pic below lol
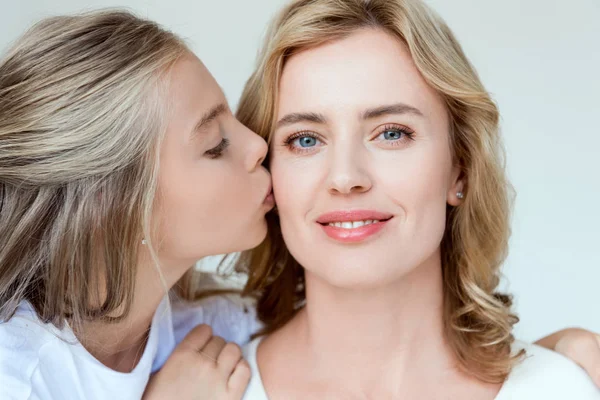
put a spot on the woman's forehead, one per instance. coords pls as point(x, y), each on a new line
point(367, 69)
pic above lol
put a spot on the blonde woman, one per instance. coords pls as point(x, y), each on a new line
point(120, 166)
point(378, 279)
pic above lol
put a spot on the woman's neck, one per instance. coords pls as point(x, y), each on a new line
point(395, 316)
point(397, 324)
point(381, 342)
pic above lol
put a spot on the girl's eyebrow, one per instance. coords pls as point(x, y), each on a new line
point(208, 117)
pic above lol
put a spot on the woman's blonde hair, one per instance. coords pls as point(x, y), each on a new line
point(82, 113)
point(477, 320)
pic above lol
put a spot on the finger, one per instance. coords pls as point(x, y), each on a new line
point(197, 338)
point(213, 348)
point(239, 379)
point(229, 357)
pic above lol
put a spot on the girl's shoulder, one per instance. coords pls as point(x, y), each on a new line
point(23, 339)
point(231, 316)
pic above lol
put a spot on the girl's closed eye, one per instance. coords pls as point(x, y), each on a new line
point(217, 151)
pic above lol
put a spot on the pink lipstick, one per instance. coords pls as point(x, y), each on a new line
point(353, 226)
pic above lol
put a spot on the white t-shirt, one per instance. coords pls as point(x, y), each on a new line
point(40, 362)
point(542, 375)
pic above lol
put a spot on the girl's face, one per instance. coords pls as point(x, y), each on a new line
point(361, 161)
point(213, 191)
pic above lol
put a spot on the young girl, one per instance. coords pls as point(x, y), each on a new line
point(120, 166)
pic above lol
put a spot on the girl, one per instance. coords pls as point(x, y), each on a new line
point(120, 166)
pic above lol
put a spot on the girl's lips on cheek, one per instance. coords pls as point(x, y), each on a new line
point(269, 200)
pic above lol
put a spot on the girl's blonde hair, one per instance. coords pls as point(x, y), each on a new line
point(478, 321)
point(81, 119)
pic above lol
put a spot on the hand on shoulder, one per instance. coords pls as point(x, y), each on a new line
point(202, 367)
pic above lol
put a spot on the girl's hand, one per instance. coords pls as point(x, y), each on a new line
point(202, 367)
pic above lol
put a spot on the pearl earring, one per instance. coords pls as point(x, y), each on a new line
point(143, 241)
point(460, 195)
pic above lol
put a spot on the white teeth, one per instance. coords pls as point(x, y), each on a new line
point(353, 224)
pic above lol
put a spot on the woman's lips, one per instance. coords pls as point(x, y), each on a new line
point(353, 226)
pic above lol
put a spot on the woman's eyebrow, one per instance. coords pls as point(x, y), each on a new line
point(398, 108)
point(294, 118)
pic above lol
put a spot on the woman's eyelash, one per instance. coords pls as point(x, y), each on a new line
point(407, 134)
point(218, 150)
point(288, 142)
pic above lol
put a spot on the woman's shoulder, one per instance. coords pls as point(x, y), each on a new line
point(544, 374)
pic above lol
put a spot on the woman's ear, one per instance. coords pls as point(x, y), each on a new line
point(457, 187)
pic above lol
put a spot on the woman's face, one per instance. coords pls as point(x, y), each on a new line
point(361, 161)
point(213, 191)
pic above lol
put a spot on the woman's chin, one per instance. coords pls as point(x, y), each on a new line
point(352, 278)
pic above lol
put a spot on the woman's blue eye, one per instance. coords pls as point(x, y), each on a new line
point(306, 141)
point(392, 135)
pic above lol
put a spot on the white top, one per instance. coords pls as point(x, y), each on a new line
point(542, 375)
point(38, 361)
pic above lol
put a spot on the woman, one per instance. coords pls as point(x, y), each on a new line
point(120, 166)
point(378, 278)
